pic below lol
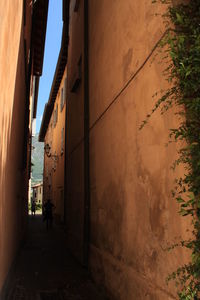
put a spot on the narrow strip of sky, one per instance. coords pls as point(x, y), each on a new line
point(52, 48)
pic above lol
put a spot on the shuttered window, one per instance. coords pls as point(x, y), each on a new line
point(63, 95)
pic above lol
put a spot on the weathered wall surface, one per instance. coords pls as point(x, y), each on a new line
point(48, 166)
point(12, 107)
point(132, 213)
point(54, 169)
point(75, 133)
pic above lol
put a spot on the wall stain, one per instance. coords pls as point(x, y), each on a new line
point(110, 219)
point(127, 59)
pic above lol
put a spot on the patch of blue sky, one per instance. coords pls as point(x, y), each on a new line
point(52, 48)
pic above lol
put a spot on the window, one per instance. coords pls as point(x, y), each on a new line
point(62, 100)
point(54, 163)
point(54, 120)
point(63, 95)
point(55, 116)
point(62, 140)
point(65, 91)
point(56, 113)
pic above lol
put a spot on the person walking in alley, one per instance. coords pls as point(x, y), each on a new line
point(33, 207)
point(48, 213)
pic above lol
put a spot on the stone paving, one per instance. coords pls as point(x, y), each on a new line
point(45, 270)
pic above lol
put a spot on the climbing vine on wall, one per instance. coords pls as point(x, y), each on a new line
point(182, 44)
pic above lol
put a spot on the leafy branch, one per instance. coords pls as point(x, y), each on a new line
point(182, 45)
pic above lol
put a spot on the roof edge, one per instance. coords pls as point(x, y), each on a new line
point(60, 68)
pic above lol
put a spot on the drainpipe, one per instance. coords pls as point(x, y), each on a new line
point(86, 143)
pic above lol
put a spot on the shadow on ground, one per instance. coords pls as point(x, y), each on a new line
point(44, 269)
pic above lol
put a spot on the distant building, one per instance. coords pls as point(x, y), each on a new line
point(34, 127)
point(37, 193)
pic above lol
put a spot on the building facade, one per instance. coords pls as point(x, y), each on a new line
point(118, 210)
point(52, 131)
point(37, 193)
point(22, 25)
point(54, 161)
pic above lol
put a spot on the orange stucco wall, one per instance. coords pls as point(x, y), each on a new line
point(13, 179)
point(54, 170)
point(133, 216)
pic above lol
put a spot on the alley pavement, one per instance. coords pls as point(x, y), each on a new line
point(45, 270)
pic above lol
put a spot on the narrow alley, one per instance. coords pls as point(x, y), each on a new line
point(45, 270)
point(78, 80)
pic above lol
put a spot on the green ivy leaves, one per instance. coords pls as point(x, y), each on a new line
point(183, 47)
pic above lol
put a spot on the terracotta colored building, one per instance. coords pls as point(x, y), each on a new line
point(22, 35)
point(118, 210)
point(52, 131)
point(54, 156)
